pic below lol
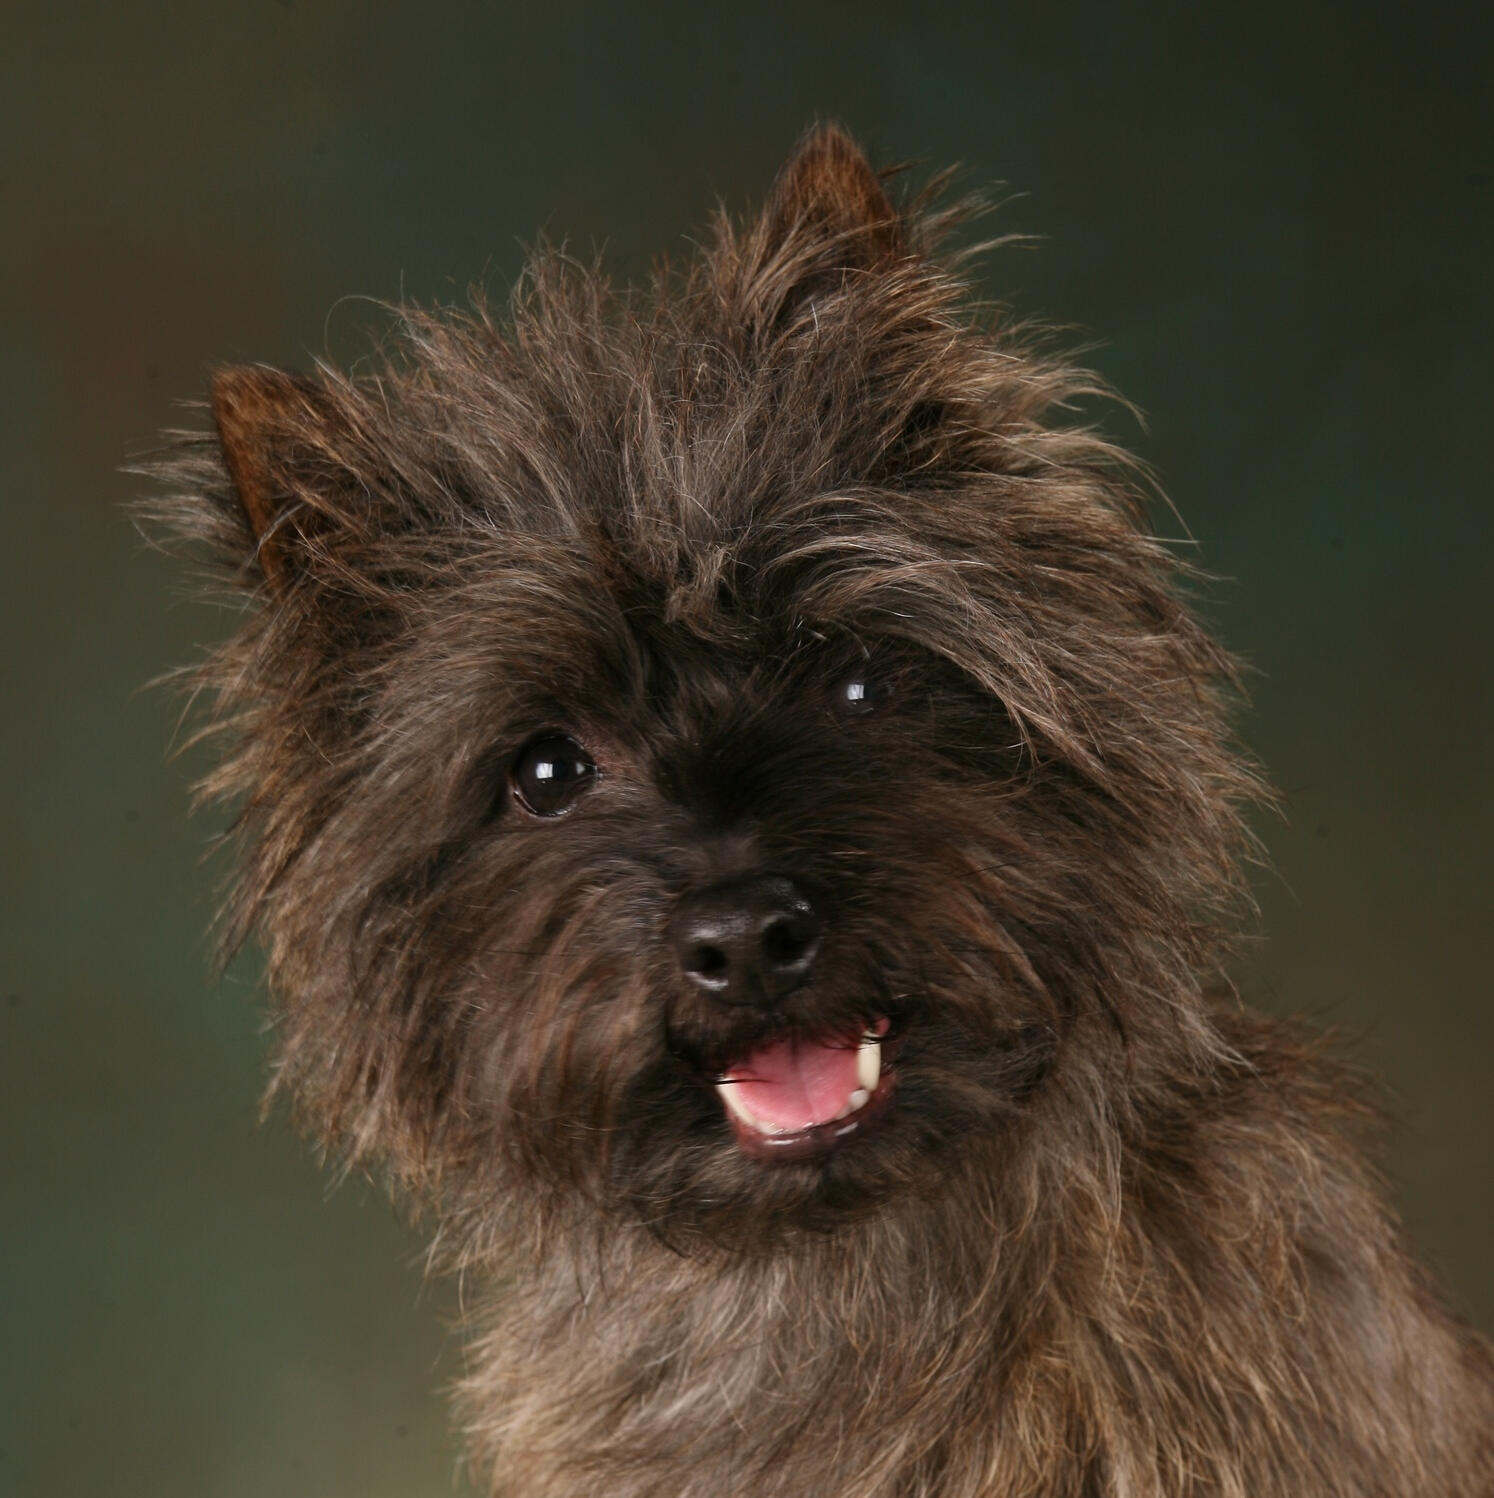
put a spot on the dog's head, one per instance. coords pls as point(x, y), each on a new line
point(717, 753)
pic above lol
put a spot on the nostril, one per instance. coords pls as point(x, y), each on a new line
point(708, 962)
point(786, 941)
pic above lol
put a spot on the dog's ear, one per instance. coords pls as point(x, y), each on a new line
point(828, 221)
point(283, 443)
point(827, 195)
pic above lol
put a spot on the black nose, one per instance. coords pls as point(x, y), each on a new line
point(747, 941)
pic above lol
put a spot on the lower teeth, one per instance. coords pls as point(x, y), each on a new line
point(854, 1104)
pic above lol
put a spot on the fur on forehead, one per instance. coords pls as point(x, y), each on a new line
point(808, 427)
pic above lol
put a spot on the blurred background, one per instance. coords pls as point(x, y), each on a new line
point(1273, 220)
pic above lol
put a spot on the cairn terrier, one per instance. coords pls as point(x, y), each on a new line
point(745, 831)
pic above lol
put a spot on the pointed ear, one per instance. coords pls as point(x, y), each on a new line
point(828, 194)
point(273, 427)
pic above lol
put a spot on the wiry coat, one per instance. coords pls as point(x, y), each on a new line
point(1115, 1237)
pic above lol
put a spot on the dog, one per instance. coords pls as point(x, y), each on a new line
point(746, 832)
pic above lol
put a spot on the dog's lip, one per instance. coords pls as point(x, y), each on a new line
point(817, 1139)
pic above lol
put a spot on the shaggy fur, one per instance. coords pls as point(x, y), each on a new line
point(1114, 1236)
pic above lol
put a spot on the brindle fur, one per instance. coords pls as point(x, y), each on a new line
point(1117, 1236)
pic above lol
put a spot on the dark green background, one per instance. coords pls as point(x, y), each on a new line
point(1279, 225)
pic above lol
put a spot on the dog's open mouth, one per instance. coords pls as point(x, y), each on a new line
point(797, 1097)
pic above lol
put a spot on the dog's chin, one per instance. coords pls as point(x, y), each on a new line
point(703, 1171)
point(737, 1133)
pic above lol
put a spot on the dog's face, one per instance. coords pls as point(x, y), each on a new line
point(740, 922)
point(711, 757)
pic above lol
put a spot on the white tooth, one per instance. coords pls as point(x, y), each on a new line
point(868, 1064)
point(734, 1104)
point(858, 1099)
point(733, 1100)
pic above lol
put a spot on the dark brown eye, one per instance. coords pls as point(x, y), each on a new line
point(550, 773)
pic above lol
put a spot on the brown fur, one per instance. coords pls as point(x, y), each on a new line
point(1116, 1237)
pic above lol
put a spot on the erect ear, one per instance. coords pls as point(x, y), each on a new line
point(276, 430)
point(827, 195)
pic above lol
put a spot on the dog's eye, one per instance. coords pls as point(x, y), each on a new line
point(859, 693)
point(550, 772)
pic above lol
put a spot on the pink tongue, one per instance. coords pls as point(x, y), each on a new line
point(795, 1084)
